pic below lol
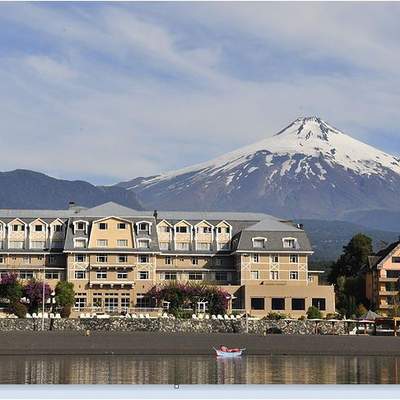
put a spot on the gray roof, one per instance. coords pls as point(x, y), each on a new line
point(273, 224)
point(33, 214)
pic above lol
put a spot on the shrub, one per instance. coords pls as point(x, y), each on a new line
point(65, 295)
point(10, 288)
point(313, 313)
point(65, 311)
point(275, 315)
point(302, 318)
point(333, 316)
point(18, 309)
point(361, 310)
point(34, 292)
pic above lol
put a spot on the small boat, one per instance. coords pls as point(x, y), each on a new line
point(221, 353)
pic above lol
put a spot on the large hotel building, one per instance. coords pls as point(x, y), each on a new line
point(114, 255)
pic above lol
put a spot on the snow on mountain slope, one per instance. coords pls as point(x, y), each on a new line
point(310, 137)
point(309, 169)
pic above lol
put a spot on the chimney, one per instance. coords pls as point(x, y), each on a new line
point(300, 226)
point(71, 205)
point(155, 215)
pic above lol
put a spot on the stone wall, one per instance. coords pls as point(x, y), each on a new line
point(258, 327)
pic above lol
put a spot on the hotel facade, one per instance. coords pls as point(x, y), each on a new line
point(114, 255)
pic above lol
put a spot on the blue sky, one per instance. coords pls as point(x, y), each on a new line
point(110, 91)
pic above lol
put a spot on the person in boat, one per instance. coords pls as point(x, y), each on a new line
point(228, 350)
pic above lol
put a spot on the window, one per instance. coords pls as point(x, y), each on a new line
point(102, 242)
point(122, 275)
point(319, 303)
point(122, 243)
point(182, 246)
point(103, 226)
point(121, 225)
point(223, 229)
point(194, 276)
point(278, 303)
point(255, 274)
point(52, 259)
point(168, 260)
point(52, 275)
point(204, 246)
point(38, 245)
point(57, 228)
point(195, 261)
point(164, 246)
point(101, 275)
point(102, 259)
point(16, 244)
point(40, 258)
point(258, 243)
point(1, 259)
point(143, 226)
point(144, 259)
point(294, 275)
point(274, 275)
point(293, 258)
point(143, 244)
point(143, 275)
point(17, 227)
point(80, 274)
point(80, 226)
point(122, 259)
point(311, 278)
point(81, 243)
point(97, 301)
point(26, 275)
point(80, 257)
point(143, 301)
point(27, 259)
point(164, 229)
point(181, 229)
point(224, 246)
point(125, 302)
point(218, 262)
point(205, 229)
point(39, 228)
point(289, 243)
point(395, 260)
point(298, 304)
point(275, 259)
point(111, 303)
point(394, 273)
point(256, 258)
point(221, 276)
point(80, 302)
point(257, 303)
point(169, 276)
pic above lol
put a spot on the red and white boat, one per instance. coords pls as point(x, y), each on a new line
point(229, 352)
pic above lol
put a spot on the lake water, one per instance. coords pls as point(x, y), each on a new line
point(198, 369)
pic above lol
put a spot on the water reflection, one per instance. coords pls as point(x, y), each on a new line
point(198, 369)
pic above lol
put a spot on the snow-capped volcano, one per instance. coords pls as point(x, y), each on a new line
point(308, 169)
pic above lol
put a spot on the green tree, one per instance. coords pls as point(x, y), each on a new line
point(10, 288)
point(65, 295)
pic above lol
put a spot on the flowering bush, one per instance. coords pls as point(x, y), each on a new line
point(34, 292)
point(186, 295)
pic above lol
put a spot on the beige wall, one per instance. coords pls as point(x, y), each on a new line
point(112, 234)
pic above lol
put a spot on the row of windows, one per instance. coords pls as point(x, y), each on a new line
point(293, 258)
point(142, 275)
point(288, 243)
point(35, 244)
point(274, 275)
point(30, 275)
point(199, 229)
point(279, 304)
point(52, 259)
point(36, 228)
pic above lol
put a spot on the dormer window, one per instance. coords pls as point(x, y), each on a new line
point(259, 243)
point(80, 226)
point(121, 225)
point(182, 229)
point(103, 226)
point(144, 227)
point(205, 229)
point(143, 244)
point(289, 243)
point(164, 229)
point(223, 229)
point(38, 228)
point(57, 228)
point(17, 228)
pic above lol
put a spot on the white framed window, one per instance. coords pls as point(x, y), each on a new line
point(143, 275)
point(181, 229)
point(143, 244)
point(164, 229)
point(125, 302)
point(293, 275)
point(16, 244)
point(144, 227)
point(122, 243)
point(38, 244)
point(205, 229)
point(122, 275)
point(195, 261)
point(259, 243)
point(57, 228)
point(26, 259)
point(143, 259)
point(168, 260)
point(103, 258)
point(164, 246)
point(183, 246)
point(223, 229)
point(274, 275)
point(255, 274)
point(39, 228)
point(80, 226)
point(26, 275)
point(195, 276)
point(80, 302)
point(80, 258)
point(102, 242)
point(103, 226)
point(18, 228)
point(204, 246)
point(169, 276)
point(122, 259)
point(80, 274)
point(289, 243)
point(274, 258)
point(101, 275)
point(80, 243)
point(52, 275)
point(293, 258)
point(121, 225)
point(256, 258)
